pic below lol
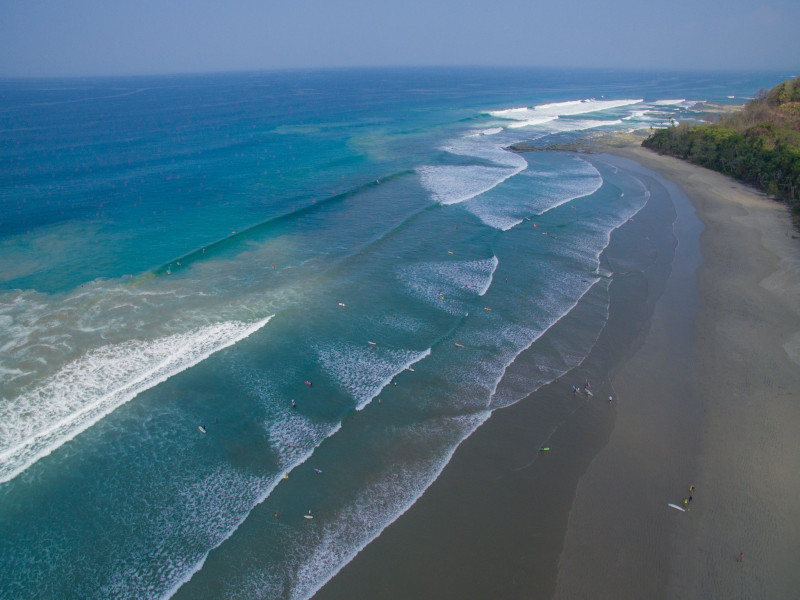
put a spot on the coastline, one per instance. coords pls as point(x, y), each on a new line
point(690, 408)
point(498, 508)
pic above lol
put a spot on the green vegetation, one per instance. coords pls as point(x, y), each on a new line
point(759, 144)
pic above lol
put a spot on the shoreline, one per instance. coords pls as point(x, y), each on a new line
point(497, 508)
point(592, 519)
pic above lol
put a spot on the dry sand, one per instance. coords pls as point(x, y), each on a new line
point(717, 401)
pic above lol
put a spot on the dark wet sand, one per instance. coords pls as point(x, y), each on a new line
point(704, 393)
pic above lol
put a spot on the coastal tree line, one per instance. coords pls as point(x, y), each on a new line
point(759, 144)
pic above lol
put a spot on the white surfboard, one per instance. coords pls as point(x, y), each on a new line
point(676, 507)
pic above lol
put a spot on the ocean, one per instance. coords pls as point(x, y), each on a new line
point(246, 319)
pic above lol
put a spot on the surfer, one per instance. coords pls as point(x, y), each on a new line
point(294, 404)
point(202, 428)
point(574, 389)
point(308, 383)
point(318, 471)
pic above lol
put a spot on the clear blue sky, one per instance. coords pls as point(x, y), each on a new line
point(108, 37)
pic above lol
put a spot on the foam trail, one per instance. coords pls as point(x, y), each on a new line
point(485, 289)
point(84, 391)
point(443, 284)
point(542, 113)
point(364, 371)
point(454, 184)
point(565, 125)
point(198, 566)
point(576, 178)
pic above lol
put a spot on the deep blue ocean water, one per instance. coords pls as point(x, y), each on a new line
point(189, 251)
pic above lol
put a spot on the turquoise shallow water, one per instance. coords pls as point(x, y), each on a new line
point(186, 252)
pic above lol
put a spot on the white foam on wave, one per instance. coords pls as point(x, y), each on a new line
point(448, 284)
point(566, 125)
point(40, 420)
point(669, 102)
point(489, 151)
point(530, 122)
point(292, 436)
point(489, 131)
point(454, 184)
point(294, 440)
point(202, 515)
point(363, 370)
point(575, 178)
point(451, 184)
point(494, 263)
point(543, 113)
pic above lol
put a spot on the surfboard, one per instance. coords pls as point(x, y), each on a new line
point(588, 392)
point(676, 507)
point(459, 345)
point(202, 430)
point(307, 517)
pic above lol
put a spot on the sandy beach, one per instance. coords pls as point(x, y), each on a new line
point(700, 355)
point(737, 387)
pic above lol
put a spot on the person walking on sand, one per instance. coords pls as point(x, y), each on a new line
point(741, 557)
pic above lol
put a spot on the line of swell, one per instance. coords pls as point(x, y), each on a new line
point(41, 443)
point(259, 228)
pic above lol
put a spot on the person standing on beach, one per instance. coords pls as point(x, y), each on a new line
point(741, 557)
